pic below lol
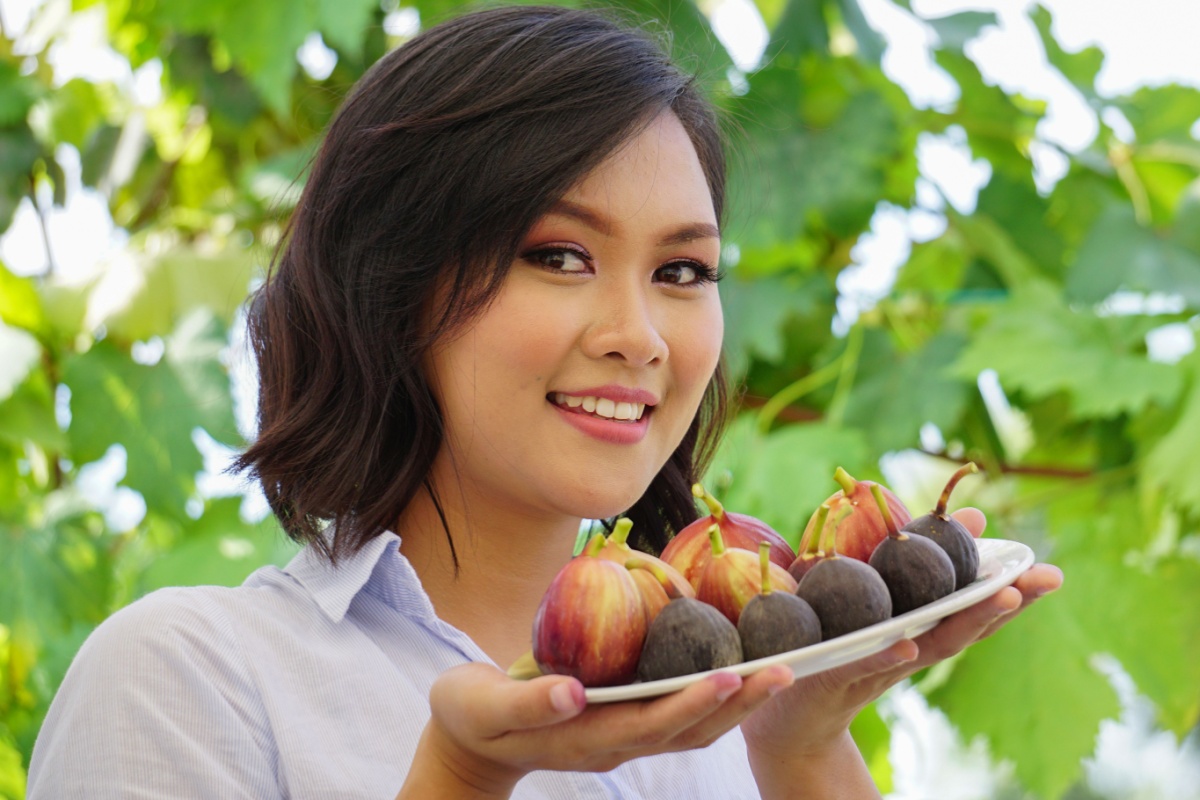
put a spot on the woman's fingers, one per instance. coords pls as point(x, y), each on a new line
point(481, 700)
point(972, 519)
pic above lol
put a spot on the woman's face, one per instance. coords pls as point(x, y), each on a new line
point(570, 391)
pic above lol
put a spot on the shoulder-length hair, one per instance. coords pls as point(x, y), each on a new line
point(439, 162)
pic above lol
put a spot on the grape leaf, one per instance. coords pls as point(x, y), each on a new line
point(1038, 346)
point(1080, 68)
point(885, 406)
point(151, 411)
point(1170, 462)
point(955, 30)
point(1119, 253)
point(1031, 691)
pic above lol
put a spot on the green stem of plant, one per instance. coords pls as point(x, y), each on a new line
point(794, 391)
point(714, 538)
point(841, 394)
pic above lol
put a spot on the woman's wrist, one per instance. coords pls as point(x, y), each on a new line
point(835, 772)
point(441, 769)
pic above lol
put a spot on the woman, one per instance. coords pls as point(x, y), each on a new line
point(495, 314)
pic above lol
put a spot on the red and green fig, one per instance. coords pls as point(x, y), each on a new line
point(731, 577)
point(657, 586)
point(775, 622)
point(591, 623)
point(689, 550)
point(858, 526)
point(949, 533)
point(658, 583)
point(915, 569)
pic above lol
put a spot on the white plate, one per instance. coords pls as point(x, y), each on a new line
point(1000, 562)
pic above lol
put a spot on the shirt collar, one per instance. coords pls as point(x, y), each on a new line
point(334, 588)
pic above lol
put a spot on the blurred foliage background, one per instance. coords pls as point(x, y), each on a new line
point(1014, 334)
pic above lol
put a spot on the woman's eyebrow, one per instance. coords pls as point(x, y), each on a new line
point(598, 223)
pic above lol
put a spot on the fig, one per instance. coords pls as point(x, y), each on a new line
point(655, 587)
point(688, 636)
point(775, 622)
point(915, 569)
point(689, 549)
point(591, 622)
point(731, 576)
point(658, 583)
point(857, 524)
point(846, 593)
point(949, 533)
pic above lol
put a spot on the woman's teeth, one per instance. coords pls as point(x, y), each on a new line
point(602, 407)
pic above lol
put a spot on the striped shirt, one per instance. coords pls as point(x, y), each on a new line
point(306, 682)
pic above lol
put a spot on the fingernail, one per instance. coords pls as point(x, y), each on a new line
point(727, 684)
point(567, 697)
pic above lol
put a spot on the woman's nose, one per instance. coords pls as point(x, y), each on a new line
point(624, 326)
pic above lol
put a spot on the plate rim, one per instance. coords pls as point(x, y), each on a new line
point(1011, 557)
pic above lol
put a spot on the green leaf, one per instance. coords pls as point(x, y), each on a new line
point(1031, 690)
point(801, 31)
point(344, 22)
point(822, 148)
point(27, 415)
point(17, 93)
point(693, 43)
point(1162, 113)
point(179, 282)
point(756, 311)
point(1039, 347)
point(152, 410)
point(1170, 462)
point(1080, 68)
point(891, 402)
point(12, 771)
point(955, 30)
point(1119, 253)
point(870, 44)
point(874, 740)
point(219, 549)
point(20, 305)
point(70, 115)
point(19, 152)
point(998, 128)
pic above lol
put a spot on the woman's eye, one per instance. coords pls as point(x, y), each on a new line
point(558, 260)
point(684, 273)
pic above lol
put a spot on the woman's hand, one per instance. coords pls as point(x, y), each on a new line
point(487, 731)
point(813, 716)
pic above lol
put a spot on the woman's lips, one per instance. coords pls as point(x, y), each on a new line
point(613, 431)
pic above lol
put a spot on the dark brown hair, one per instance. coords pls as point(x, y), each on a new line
point(439, 162)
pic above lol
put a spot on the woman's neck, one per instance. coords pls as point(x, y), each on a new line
point(505, 561)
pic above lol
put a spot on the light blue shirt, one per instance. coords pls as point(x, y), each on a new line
point(306, 682)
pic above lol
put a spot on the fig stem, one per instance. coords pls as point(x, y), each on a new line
point(845, 480)
point(714, 538)
point(621, 530)
point(967, 469)
point(828, 534)
point(813, 546)
point(764, 563)
point(886, 512)
point(594, 545)
point(714, 505)
point(657, 571)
